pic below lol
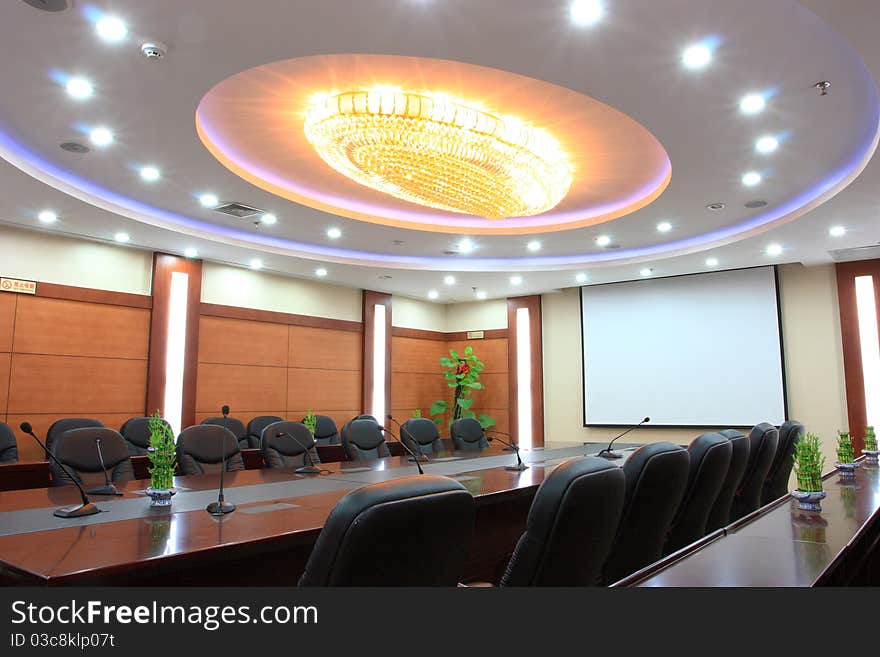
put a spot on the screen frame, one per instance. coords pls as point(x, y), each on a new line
point(588, 425)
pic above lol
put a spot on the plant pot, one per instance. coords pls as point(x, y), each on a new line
point(160, 496)
point(846, 471)
point(809, 500)
point(871, 455)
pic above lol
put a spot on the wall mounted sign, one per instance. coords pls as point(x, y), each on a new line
point(17, 285)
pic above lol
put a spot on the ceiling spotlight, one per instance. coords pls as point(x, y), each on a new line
point(101, 136)
point(585, 12)
point(766, 144)
point(774, 250)
point(516, 280)
point(256, 263)
point(752, 104)
point(646, 272)
point(581, 278)
point(190, 252)
point(47, 217)
point(209, 200)
point(711, 262)
point(111, 29)
point(334, 233)
point(150, 173)
point(466, 245)
point(122, 238)
point(481, 295)
point(269, 219)
point(837, 231)
point(320, 272)
point(534, 246)
point(79, 88)
point(433, 294)
point(449, 280)
point(696, 56)
point(603, 240)
point(751, 179)
point(664, 226)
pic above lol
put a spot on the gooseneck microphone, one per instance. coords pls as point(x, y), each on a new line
point(76, 511)
point(409, 451)
point(310, 467)
point(520, 466)
point(221, 506)
point(506, 448)
point(607, 453)
point(108, 488)
point(418, 456)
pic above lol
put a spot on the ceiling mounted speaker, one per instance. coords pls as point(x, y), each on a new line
point(49, 5)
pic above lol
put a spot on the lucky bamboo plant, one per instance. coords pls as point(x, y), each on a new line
point(845, 451)
point(870, 439)
point(808, 463)
point(161, 453)
point(311, 422)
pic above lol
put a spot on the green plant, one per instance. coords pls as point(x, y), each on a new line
point(845, 452)
point(311, 422)
point(417, 412)
point(870, 439)
point(462, 375)
point(808, 463)
point(161, 453)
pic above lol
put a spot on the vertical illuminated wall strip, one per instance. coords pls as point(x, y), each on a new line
point(869, 346)
point(377, 406)
point(377, 355)
point(525, 371)
point(523, 379)
point(175, 349)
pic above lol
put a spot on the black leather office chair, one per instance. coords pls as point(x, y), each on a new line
point(763, 440)
point(136, 432)
point(362, 440)
point(414, 531)
point(776, 483)
point(571, 525)
point(235, 426)
point(65, 424)
point(77, 449)
point(709, 456)
point(467, 435)
point(421, 436)
point(8, 446)
point(255, 428)
point(200, 450)
point(719, 516)
point(656, 476)
point(287, 451)
point(326, 432)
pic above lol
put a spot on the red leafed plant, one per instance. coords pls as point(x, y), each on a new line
point(462, 375)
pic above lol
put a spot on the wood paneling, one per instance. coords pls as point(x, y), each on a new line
point(339, 417)
point(245, 415)
point(5, 360)
point(324, 349)
point(90, 295)
point(241, 342)
point(8, 303)
point(493, 352)
point(242, 387)
point(495, 393)
point(418, 390)
point(416, 355)
point(323, 390)
point(74, 328)
point(254, 315)
point(28, 450)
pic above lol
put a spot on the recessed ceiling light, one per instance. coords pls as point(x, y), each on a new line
point(711, 262)
point(268, 219)
point(766, 144)
point(533, 246)
point(150, 173)
point(209, 200)
point(752, 104)
point(121, 237)
point(334, 233)
point(79, 88)
point(47, 217)
point(449, 280)
point(774, 250)
point(466, 245)
point(516, 280)
point(433, 294)
point(190, 252)
point(603, 240)
point(320, 272)
point(696, 56)
point(481, 295)
point(751, 179)
point(111, 29)
point(645, 272)
point(837, 231)
point(581, 278)
point(664, 226)
point(585, 12)
point(101, 136)
point(256, 263)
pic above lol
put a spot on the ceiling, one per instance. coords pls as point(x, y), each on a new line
point(822, 174)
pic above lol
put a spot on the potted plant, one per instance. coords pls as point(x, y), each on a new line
point(417, 413)
point(870, 451)
point(808, 464)
point(462, 375)
point(311, 422)
point(846, 456)
point(163, 459)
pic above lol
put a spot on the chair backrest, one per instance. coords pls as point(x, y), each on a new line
point(763, 440)
point(235, 426)
point(200, 450)
point(366, 416)
point(656, 476)
point(421, 435)
point(136, 432)
point(467, 434)
point(287, 451)
point(719, 516)
point(78, 450)
point(326, 432)
point(65, 424)
point(570, 527)
point(255, 428)
point(709, 456)
point(8, 446)
point(776, 483)
point(413, 531)
point(362, 439)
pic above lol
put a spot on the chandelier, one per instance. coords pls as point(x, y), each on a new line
point(439, 152)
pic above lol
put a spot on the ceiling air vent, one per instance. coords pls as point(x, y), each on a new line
point(48, 5)
point(858, 253)
point(239, 210)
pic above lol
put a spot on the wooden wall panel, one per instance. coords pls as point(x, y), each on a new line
point(418, 390)
point(28, 450)
point(415, 355)
point(242, 342)
point(492, 352)
point(339, 417)
point(495, 393)
point(245, 388)
point(8, 303)
point(324, 349)
point(323, 390)
point(5, 360)
point(244, 415)
point(75, 328)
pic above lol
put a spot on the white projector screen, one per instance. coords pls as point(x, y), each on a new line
point(699, 350)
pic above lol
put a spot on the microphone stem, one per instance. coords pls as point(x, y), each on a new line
point(101, 459)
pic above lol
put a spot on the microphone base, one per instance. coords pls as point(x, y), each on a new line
point(76, 511)
point(108, 489)
point(421, 458)
point(220, 508)
point(308, 469)
point(519, 467)
point(610, 455)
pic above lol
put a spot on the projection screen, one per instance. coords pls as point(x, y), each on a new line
point(697, 350)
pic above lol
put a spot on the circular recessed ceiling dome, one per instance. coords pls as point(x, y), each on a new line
point(431, 144)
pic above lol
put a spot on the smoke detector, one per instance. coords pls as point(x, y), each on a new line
point(153, 50)
point(822, 87)
point(718, 205)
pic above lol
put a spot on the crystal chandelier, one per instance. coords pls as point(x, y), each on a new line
point(439, 152)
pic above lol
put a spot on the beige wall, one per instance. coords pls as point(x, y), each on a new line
point(417, 314)
point(476, 315)
point(49, 258)
point(813, 362)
